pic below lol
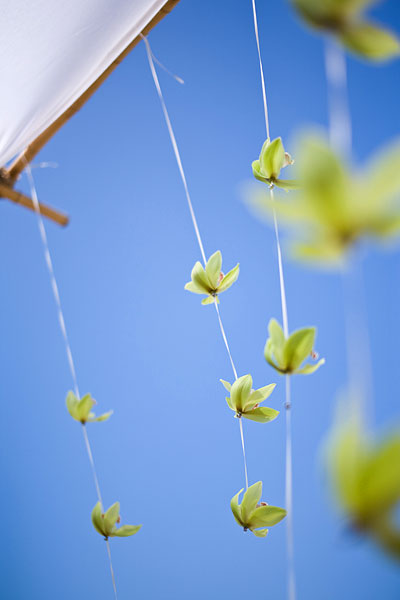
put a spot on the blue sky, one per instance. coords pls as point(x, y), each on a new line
point(147, 349)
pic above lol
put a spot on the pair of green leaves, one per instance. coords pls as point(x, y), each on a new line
point(105, 523)
point(335, 208)
point(272, 160)
point(255, 515)
point(286, 355)
point(81, 410)
point(345, 19)
point(366, 479)
point(245, 401)
point(210, 280)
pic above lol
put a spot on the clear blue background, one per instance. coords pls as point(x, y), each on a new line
point(146, 348)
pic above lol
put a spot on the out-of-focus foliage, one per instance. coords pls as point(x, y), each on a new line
point(286, 355)
point(210, 280)
point(336, 208)
point(345, 19)
point(105, 523)
point(245, 401)
point(365, 477)
point(81, 410)
point(272, 160)
point(253, 515)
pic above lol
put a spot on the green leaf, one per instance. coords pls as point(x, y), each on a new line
point(277, 338)
point(200, 279)
point(269, 357)
point(111, 516)
point(267, 516)
point(382, 177)
point(310, 368)
point(71, 402)
point(97, 519)
point(255, 165)
point(287, 184)
point(213, 268)
point(104, 417)
point(251, 498)
point(371, 41)
point(262, 414)
point(226, 385)
point(192, 287)
point(381, 478)
point(298, 347)
point(259, 396)
point(230, 403)
point(261, 533)
point(84, 407)
point(229, 279)
point(210, 300)
point(127, 530)
point(240, 391)
point(272, 158)
point(236, 509)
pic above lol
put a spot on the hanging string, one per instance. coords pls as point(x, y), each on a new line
point(338, 104)
point(288, 404)
point(63, 328)
point(150, 58)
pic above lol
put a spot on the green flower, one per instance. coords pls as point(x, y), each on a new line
point(335, 208)
point(345, 19)
point(105, 523)
point(253, 514)
point(365, 477)
point(210, 280)
point(245, 401)
point(272, 159)
point(286, 355)
point(81, 410)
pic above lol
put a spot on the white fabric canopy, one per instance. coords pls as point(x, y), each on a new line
point(51, 52)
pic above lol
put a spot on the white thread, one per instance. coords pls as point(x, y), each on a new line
point(194, 221)
point(111, 569)
point(63, 328)
point(339, 113)
point(244, 453)
point(174, 145)
point(288, 468)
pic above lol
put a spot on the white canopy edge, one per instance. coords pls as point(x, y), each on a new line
point(52, 52)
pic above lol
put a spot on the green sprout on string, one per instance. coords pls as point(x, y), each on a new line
point(105, 523)
point(335, 208)
point(366, 481)
point(346, 21)
point(210, 280)
point(286, 355)
point(245, 402)
point(254, 515)
point(272, 160)
point(81, 410)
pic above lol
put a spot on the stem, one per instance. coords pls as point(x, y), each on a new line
point(280, 268)
point(289, 493)
point(90, 455)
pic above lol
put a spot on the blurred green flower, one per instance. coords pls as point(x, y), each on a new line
point(105, 523)
point(210, 280)
point(245, 401)
point(81, 410)
point(272, 160)
point(345, 19)
point(286, 355)
point(252, 514)
point(366, 481)
point(335, 209)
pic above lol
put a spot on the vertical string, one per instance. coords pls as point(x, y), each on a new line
point(150, 58)
point(111, 569)
point(288, 404)
point(63, 328)
point(339, 113)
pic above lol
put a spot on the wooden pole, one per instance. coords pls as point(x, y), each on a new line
point(19, 198)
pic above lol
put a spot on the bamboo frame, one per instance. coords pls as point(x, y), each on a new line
point(10, 175)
